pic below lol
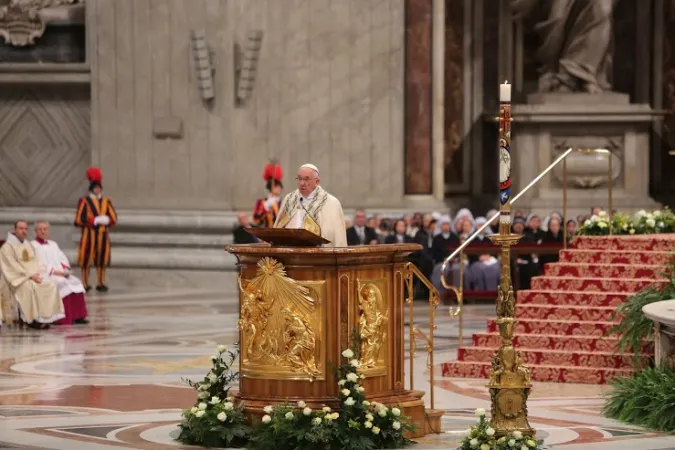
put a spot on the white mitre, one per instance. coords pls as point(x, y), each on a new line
point(310, 166)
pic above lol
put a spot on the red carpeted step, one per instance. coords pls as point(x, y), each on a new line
point(559, 327)
point(564, 320)
point(603, 270)
point(557, 374)
point(652, 242)
point(544, 357)
point(565, 312)
point(555, 342)
point(588, 284)
point(572, 298)
point(615, 257)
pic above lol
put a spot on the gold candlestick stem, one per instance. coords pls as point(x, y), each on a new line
point(510, 382)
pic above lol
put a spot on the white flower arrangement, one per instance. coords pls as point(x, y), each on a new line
point(359, 424)
point(482, 437)
point(642, 222)
point(215, 420)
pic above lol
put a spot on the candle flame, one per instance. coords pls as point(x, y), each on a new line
point(506, 82)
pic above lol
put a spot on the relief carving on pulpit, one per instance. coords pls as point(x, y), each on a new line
point(372, 326)
point(24, 21)
point(282, 324)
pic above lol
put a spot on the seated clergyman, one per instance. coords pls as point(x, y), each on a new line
point(57, 270)
point(38, 298)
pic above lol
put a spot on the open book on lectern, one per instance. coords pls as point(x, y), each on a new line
point(288, 237)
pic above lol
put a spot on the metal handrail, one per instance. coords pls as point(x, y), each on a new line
point(610, 207)
point(459, 249)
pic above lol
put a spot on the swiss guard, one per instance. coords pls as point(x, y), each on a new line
point(266, 209)
point(95, 215)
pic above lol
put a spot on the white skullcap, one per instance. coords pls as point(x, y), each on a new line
point(310, 166)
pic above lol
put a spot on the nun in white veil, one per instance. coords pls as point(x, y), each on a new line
point(461, 226)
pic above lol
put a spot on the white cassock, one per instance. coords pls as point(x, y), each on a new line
point(320, 213)
point(37, 301)
point(53, 259)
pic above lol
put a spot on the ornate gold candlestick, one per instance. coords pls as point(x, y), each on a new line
point(510, 381)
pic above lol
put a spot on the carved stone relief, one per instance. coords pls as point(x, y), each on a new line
point(22, 21)
point(588, 170)
point(575, 42)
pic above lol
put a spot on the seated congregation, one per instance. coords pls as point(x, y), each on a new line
point(37, 288)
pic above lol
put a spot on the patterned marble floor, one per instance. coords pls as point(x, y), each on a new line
point(116, 383)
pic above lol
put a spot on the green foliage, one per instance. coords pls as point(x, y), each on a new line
point(482, 437)
point(285, 427)
point(635, 328)
point(359, 424)
point(643, 222)
point(646, 399)
point(212, 421)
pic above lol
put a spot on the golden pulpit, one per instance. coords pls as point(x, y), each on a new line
point(299, 306)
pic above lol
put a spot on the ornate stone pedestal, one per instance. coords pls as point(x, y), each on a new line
point(550, 123)
point(663, 315)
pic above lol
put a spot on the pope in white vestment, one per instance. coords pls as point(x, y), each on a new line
point(38, 299)
point(58, 271)
point(312, 208)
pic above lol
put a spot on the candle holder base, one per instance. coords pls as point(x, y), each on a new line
point(509, 410)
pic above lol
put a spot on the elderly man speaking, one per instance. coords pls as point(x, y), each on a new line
point(312, 208)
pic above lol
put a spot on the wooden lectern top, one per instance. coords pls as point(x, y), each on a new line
point(288, 237)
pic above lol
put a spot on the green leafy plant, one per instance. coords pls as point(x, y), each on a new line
point(285, 427)
point(483, 437)
point(646, 399)
point(635, 328)
point(215, 420)
point(358, 425)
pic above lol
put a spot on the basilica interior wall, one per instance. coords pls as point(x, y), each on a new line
point(328, 90)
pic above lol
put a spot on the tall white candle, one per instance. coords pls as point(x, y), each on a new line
point(505, 93)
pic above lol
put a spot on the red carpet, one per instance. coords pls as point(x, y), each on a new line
point(563, 320)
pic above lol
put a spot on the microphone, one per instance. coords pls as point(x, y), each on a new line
point(302, 204)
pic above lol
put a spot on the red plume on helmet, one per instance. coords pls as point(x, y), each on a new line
point(94, 175)
point(272, 172)
point(272, 175)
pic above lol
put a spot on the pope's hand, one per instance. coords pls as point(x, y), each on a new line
point(36, 277)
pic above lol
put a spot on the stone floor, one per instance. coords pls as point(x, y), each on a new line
point(116, 383)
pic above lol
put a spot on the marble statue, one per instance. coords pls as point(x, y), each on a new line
point(576, 42)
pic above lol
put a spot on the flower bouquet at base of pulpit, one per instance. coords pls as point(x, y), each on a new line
point(358, 425)
point(482, 437)
point(215, 420)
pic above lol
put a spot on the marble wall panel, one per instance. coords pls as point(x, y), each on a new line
point(328, 90)
point(418, 99)
point(454, 92)
point(662, 179)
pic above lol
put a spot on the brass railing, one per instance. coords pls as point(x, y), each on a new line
point(588, 151)
point(459, 251)
point(412, 272)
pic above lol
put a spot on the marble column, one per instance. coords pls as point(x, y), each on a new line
point(438, 93)
point(418, 97)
